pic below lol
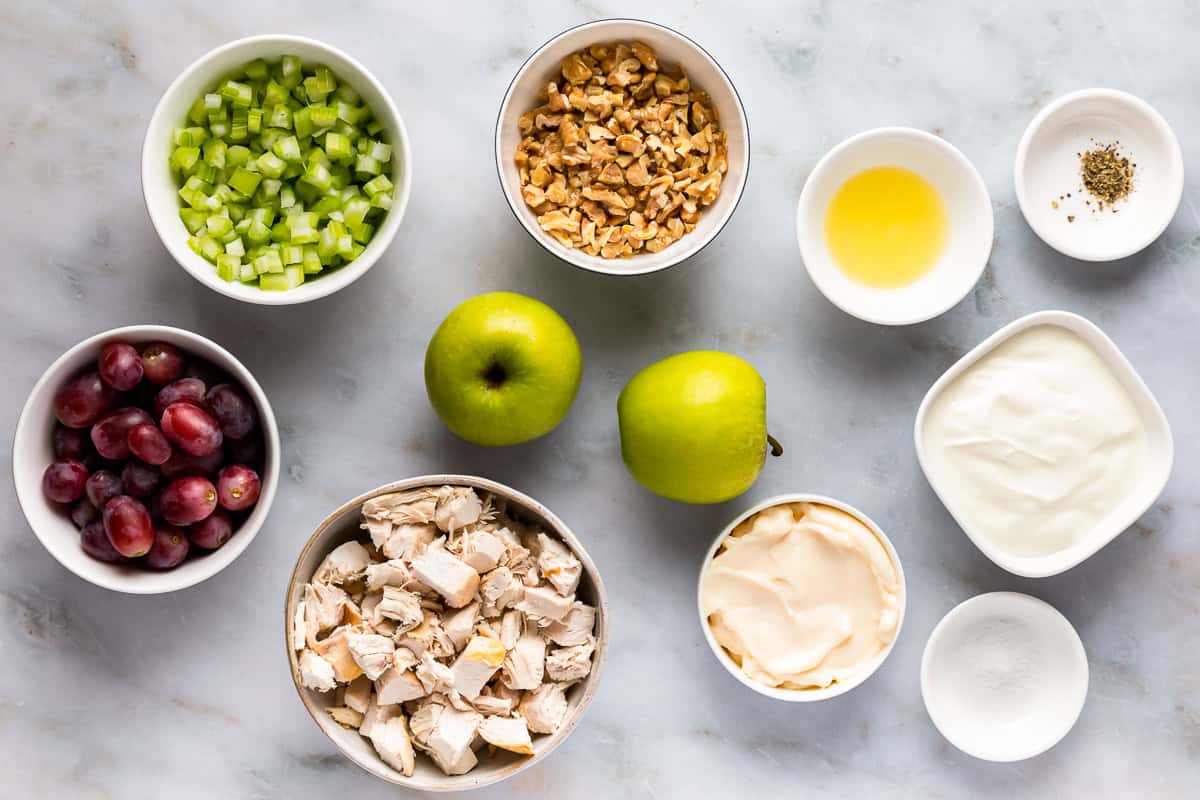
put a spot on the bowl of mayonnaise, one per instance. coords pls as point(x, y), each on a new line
point(801, 597)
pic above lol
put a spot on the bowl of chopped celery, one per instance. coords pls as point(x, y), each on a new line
point(276, 169)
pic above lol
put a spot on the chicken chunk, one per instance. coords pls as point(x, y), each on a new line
point(425, 719)
point(525, 664)
point(399, 685)
point(544, 604)
point(358, 694)
point(393, 572)
point(346, 717)
point(394, 745)
point(448, 576)
point(544, 708)
point(371, 652)
point(499, 590)
point(402, 606)
point(569, 664)
point(434, 676)
point(476, 665)
point(576, 628)
point(461, 624)
point(335, 649)
point(323, 609)
point(482, 550)
point(316, 673)
point(459, 507)
point(558, 565)
point(344, 562)
point(408, 541)
point(507, 733)
point(450, 742)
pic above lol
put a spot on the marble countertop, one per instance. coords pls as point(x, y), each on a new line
point(188, 696)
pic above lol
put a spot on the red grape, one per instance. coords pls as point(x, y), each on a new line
point(162, 363)
point(238, 487)
point(182, 464)
point(70, 443)
point(111, 434)
point(120, 366)
point(191, 429)
point(139, 479)
point(83, 513)
point(232, 409)
point(212, 532)
point(170, 548)
point(64, 481)
point(82, 400)
point(96, 544)
point(103, 486)
point(184, 390)
point(187, 500)
point(148, 443)
point(128, 526)
point(247, 450)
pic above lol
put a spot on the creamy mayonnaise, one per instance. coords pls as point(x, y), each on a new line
point(1035, 443)
point(802, 595)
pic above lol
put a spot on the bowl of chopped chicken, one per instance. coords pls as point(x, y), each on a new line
point(445, 632)
point(622, 147)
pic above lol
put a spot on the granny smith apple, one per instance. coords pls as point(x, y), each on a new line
point(694, 426)
point(502, 369)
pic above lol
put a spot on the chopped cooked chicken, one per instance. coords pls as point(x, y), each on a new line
point(393, 572)
point(499, 590)
point(525, 664)
point(511, 625)
point(343, 563)
point(375, 714)
point(450, 742)
point(316, 673)
point(434, 676)
point(371, 652)
point(461, 624)
point(425, 718)
point(476, 665)
point(409, 541)
point(358, 694)
point(346, 717)
point(399, 685)
point(544, 605)
point(402, 606)
point(447, 575)
point(558, 565)
point(394, 745)
point(569, 664)
point(482, 550)
point(517, 553)
point(492, 705)
point(544, 707)
point(413, 506)
point(576, 628)
point(507, 733)
point(323, 608)
point(299, 628)
point(428, 636)
point(404, 658)
point(335, 649)
point(458, 508)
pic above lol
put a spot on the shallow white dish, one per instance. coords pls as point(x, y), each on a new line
point(1144, 491)
point(1004, 676)
point(798, 695)
point(33, 450)
point(160, 189)
point(671, 47)
point(968, 207)
point(1047, 168)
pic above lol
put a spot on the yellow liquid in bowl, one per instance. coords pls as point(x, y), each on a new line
point(886, 227)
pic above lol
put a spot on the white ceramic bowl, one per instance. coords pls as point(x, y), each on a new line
point(342, 526)
point(671, 47)
point(968, 207)
point(1143, 489)
point(32, 451)
point(1047, 168)
point(1004, 676)
point(798, 695)
point(159, 186)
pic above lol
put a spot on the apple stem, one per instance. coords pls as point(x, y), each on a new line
point(776, 447)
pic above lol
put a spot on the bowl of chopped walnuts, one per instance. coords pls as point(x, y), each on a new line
point(445, 632)
point(622, 147)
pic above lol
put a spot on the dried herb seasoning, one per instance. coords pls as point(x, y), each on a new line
point(1107, 174)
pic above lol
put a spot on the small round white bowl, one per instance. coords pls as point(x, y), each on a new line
point(33, 450)
point(160, 189)
point(998, 728)
point(799, 695)
point(1047, 168)
point(671, 47)
point(341, 526)
point(968, 207)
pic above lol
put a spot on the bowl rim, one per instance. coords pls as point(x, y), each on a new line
point(804, 210)
point(455, 783)
point(270, 479)
point(1071, 641)
point(800, 695)
point(1045, 566)
point(596, 264)
point(1172, 149)
point(344, 275)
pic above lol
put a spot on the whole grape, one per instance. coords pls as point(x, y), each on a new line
point(102, 486)
point(64, 481)
point(184, 390)
point(213, 531)
point(128, 526)
point(139, 479)
point(233, 410)
point(83, 513)
point(81, 400)
point(238, 487)
point(162, 363)
point(111, 434)
point(170, 548)
point(96, 544)
point(191, 429)
point(187, 500)
point(120, 366)
point(148, 443)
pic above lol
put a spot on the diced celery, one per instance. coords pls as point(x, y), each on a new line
point(302, 122)
point(379, 151)
point(244, 181)
point(205, 172)
point(219, 226)
point(220, 129)
point(374, 127)
point(237, 156)
point(280, 232)
point(287, 148)
point(362, 232)
point(198, 113)
point(318, 177)
point(185, 158)
point(348, 113)
point(228, 267)
point(365, 165)
point(190, 137)
point(382, 200)
point(276, 94)
point(258, 232)
point(254, 118)
point(312, 260)
point(247, 273)
point(322, 116)
point(257, 70)
point(327, 245)
point(270, 188)
point(215, 151)
point(212, 104)
point(235, 247)
point(290, 70)
point(291, 254)
point(287, 198)
point(379, 183)
point(192, 220)
point(337, 147)
point(238, 94)
point(210, 248)
point(280, 117)
point(271, 165)
point(346, 92)
point(355, 211)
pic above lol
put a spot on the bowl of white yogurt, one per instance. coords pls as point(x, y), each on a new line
point(1043, 443)
point(801, 597)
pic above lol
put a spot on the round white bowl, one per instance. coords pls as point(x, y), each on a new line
point(160, 189)
point(1001, 728)
point(33, 450)
point(968, 207)
point(671, 47)
point(1047, 168)
point(799, 695)
point(342, 526)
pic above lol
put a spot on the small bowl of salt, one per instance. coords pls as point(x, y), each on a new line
point(1004, 676)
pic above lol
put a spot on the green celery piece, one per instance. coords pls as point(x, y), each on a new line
point(228, 267)
point(280, 117)
point(254, 118)
point(345, 92)
point(327, 246)
point(258, 232)
point(276, 94)
point(220, 129)
point(313, 90)
point(219, 226)
point(264, 215)
point(192, 220)
point(247, 273)
point(210, 248)
point(193, 136)
point(215, 151)
point(257, 70)
point(379, 183)
point(356, 251)
point(345, 245)
point(380, 152)
point(318, 176)
point(324, 75)
point(185, 158)
point(206, 172)
point(292, 254)
point(212, 104)
point(239, 127)
point(291, 71)
point(302, 122)
point(198, 113)
point(374, 127)
point(327, 204)
point(382, 200)
point(312, 261)
point(362, 232)
point(348, 113)
point(287, 148)
point(287, 198)
point(245, 181)
point(337, 147)
point(237, 211)
point(237, 155)
point(271, 165)
point(365, 165)
point(341, 176)
point(281, 233)
point(238, 94)
point(323, 116)
point(355, 211)
point(235, 246)
point(269, 189)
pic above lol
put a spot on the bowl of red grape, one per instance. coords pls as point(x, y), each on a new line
point(146, 459)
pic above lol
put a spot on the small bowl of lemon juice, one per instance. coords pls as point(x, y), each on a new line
point(894, 226)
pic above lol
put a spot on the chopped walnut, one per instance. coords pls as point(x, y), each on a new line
point(623, 154)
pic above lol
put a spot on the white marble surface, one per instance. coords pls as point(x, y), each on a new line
point(188, 696)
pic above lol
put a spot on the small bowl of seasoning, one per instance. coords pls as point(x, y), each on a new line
point(1099, 174)
point(1004, 676)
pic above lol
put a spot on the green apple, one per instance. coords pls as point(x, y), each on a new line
point(694, 426)
point(502, 369)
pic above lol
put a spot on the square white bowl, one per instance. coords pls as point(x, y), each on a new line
point(1144, 488)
